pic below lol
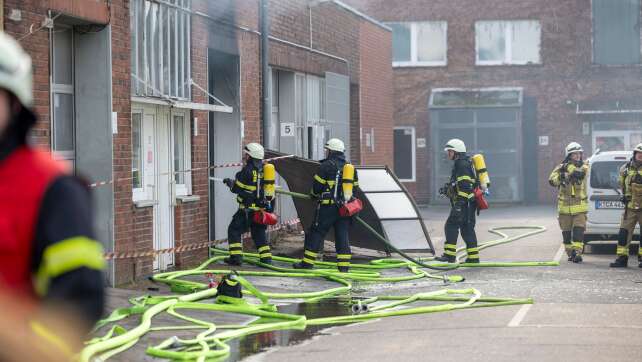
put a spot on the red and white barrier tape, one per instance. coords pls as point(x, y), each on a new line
point(189, 247)
point(225, 165)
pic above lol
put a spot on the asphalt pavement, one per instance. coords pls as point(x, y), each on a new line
point(582, 312)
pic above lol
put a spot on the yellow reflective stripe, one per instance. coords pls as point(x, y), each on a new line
point(343, 263)
point(577, 245)
point(466, 195)
point(473, 256)
point(450, 252)
point(265, 255)
point(311, 254)
point(65, 256)
point(236, 252)
point(472, 250)
point(450, 247)
point(319, 179)
point(231, 282)
point(344, 256)
point(51, 337)
point(236, 245)
point(573, 209)
point(465, 178)
point(244, 186)
point(622, 250)
point(309, 261)
point(639, 251)
point(327, 202)
point(568, 246)
point(264, 248)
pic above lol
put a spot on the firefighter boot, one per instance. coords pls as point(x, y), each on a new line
point(302, 265)
point(233, 260)
point(639, 262)
point(577, 258)
point(621, 262)
point(344, 269)
point(446, 258)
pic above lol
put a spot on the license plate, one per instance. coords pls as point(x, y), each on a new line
point(604, 204)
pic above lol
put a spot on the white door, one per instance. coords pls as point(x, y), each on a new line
point(164, 190)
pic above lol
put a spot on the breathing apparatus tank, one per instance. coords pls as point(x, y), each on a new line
point(269, 175)
point(348, 181)
point(482, 173)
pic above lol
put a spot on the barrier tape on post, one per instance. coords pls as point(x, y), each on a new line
point(225, 165)
point(189, 247)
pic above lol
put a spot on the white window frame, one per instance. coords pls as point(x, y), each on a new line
point(140, 194)
point(508, 39)
point(185, 188)
point(413, 47)
point(414, 152)
point(56, 88)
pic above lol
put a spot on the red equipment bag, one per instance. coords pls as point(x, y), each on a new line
point(482, 204)
point(351, 208)
point(265, 218)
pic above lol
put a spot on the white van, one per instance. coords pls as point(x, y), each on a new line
point(605, 205)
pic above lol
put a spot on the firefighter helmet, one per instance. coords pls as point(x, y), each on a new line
point(456, 145)
point(255, 150)
point(15, 70)
point(335, 144)
point(573, 147)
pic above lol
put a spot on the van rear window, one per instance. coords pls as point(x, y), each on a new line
point(604, 175)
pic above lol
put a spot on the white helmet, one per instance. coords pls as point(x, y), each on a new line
point(15, 70)
point(335, 144)
point(255, 150)
point(573, 147)
point(456, 145)
point(637, 148)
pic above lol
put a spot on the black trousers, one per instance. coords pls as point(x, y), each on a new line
point(327, 218)
point(461, 220)
point(241, 223)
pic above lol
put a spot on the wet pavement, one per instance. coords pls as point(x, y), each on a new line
point(581, 312)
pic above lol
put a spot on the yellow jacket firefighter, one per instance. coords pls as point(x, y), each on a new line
point(570, 178)
point(631, 184)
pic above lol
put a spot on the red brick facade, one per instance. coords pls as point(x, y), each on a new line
point(566, 73)
point(338, 40)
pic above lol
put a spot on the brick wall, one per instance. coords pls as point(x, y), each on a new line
point(566, 72)
point(375, 93)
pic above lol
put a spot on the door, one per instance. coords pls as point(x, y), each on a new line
point(165, 189)
point(610, 140)
point(157, 178)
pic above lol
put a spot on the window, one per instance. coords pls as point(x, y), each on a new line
point(181, 154)
point(404, 156)
point(508, 42)
point(616, 32)
point(605, 175)
point(137, 151)
point(63, 142)
point(160, 57)
point(419, 44)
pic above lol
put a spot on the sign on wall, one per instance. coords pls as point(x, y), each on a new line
point(421, 143)
point(287, 129)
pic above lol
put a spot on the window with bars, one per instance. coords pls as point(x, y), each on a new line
point(160, 54)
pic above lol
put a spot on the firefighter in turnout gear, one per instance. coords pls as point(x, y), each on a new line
point(631, 185)
point(248, 186)
point(572, 205)
point(460, 191)
point(328, 191)
point(49, 258)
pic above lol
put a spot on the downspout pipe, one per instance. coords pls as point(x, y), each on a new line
point(265, 72)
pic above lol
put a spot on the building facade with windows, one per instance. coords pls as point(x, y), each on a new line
point(142, 97)
point(517, 81)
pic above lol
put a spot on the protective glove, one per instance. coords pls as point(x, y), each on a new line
point(229, 182)
point(577, 176)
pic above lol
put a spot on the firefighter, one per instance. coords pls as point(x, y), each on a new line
point(572, 205)
point(248, 187)
point(49, 258)
point(460, 191)
point(631, 184)
point(328, 191)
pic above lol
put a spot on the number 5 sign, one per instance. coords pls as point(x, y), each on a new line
point(287, 129)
